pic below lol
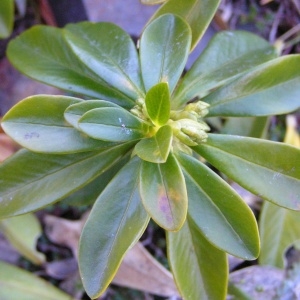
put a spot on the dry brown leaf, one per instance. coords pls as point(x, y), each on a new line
point(259, 282)
point(139, 270)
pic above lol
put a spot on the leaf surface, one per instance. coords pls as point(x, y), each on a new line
point(158, 104)
point(43, 54)
point(269, 89)
point(22, 232)
point(112, 124)
point(156, 148)
point(109, 52)
point(164, 49)
point(268, 169)
point(163, 192)
point(75, 111)
point(241, 51)
point(218, 211)
point(38, 180)
point(200, 270)
point(6, 18)
point(279, 229)
point(197, 13)
point(37, 123)
point(115, 224)
point(16, 283)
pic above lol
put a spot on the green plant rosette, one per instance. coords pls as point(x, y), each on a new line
point(142, 131)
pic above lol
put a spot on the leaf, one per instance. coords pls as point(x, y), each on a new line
point(42, 53)
point(6, 18)
point(109, 52)
point(197, 13)
point(75, 111)
point(112, 124)
point(218, 211)
point(140, 270)
point(269, 89)
point(37, 123)
point(156, 148)
point(268, 169)
point(158, 104)
point(247, 126)
point(38, 180)
point(88, 194)
point(200, 270)
point(279, 228)
point(241, 51)
point(22, 233)
point(115, 224)
point(164, 49)
point(16, 283)
point(163, 192)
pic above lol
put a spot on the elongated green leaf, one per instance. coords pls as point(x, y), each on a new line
point(43, 54)
point(279, 228)
point(16, 283)
point(269, 89)
point(112, 124)
point(38, 124)
point(197, 13)
point(117, 221)
point(109, 52)
point(90, 192)
point(247, 126)
point(218, 211)
point(158, 104)
point(74, 112)
point(23, 232)
point(241, 51)
point(200, 270)
point(156, 148)
point(268, 169)
point(6, 18)
point(29, 181)
point(164, 49)
point(163, 192)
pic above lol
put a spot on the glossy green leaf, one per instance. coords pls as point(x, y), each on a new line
point(74, 112)
point(158, 104)
point(43, 54)
point(38, 124)
point(163, 192)
point(112, 124)
point(200, 270)
point(16, 283)
point(164, 49)
point(90, 192)
point(22, 232)
point(268, 169)
point(6, 18)
point(117, 221)
point(108, 51)
point(218, 211)
point(279, 229)
point(247, 126)
point(156, 148)
point(269, 89)
point(197, 13)
point(38, 180)
point(240, 52)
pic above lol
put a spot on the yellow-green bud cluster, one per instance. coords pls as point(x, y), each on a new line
point(140, 110)
point(188, 125)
